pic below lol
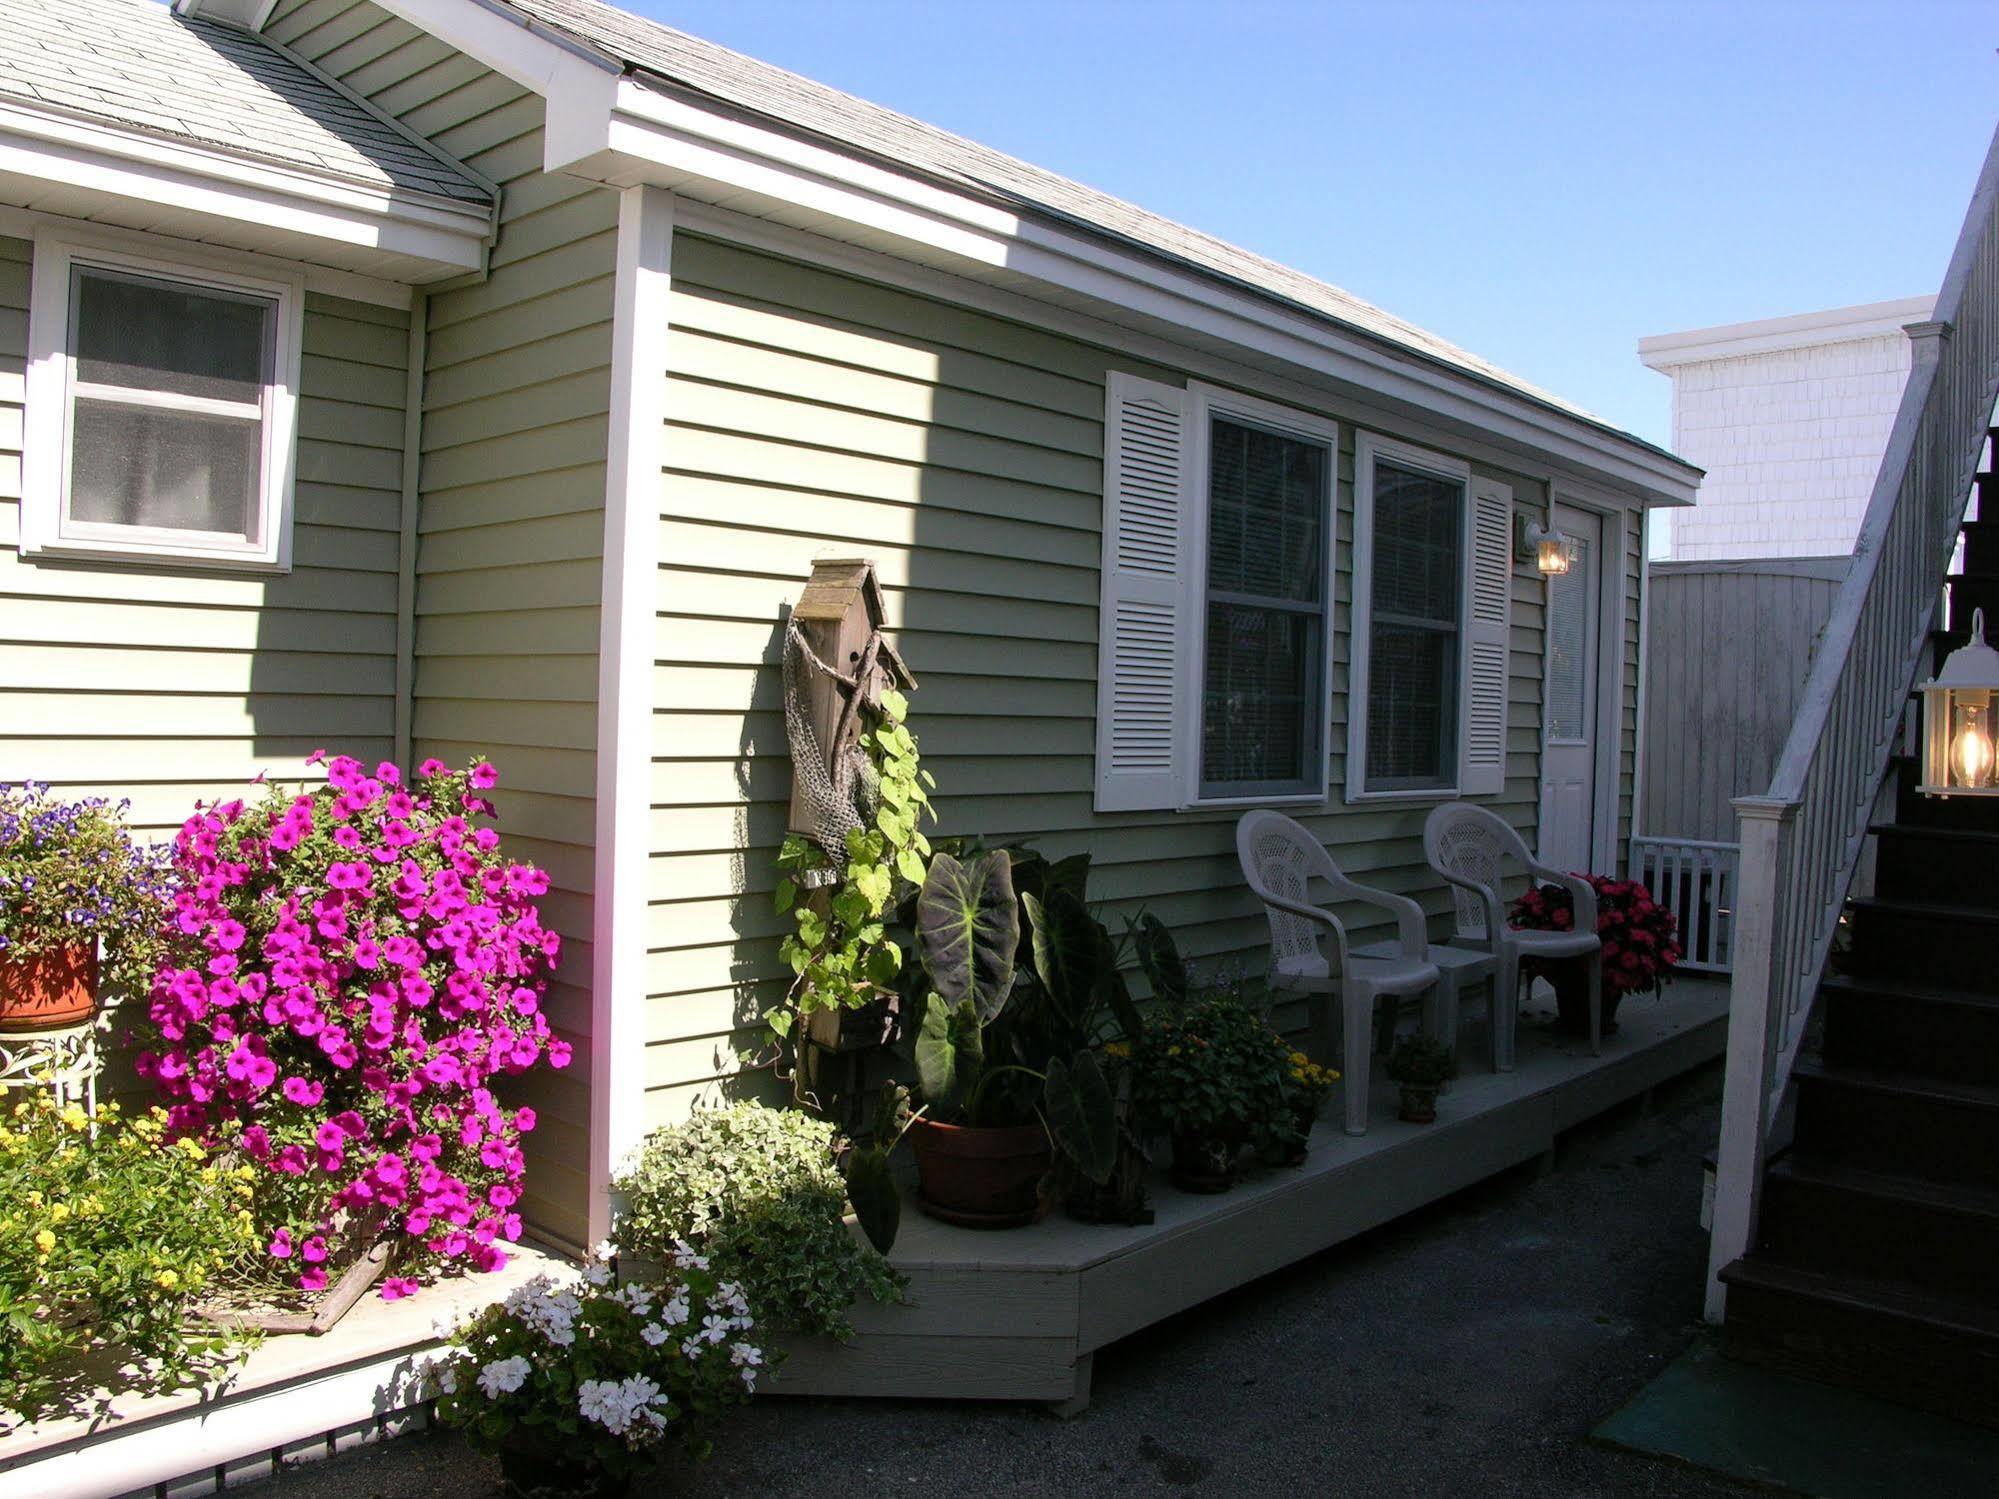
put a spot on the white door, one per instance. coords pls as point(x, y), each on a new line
point(1569, 711)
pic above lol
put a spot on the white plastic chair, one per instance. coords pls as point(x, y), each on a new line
point(1469, 847)
point(1309, 952)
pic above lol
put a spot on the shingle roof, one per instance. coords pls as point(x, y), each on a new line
point(868, 128)
point(133, 63)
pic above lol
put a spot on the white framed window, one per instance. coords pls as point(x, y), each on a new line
point(162, 396)
point(1433, 566)
point(1215, 663)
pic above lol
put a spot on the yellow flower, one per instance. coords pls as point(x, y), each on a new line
point(34, 1199)
point(45, 1241)
point(59, 1213)
point(1117, 1049)
point(166, 1280)
point(190, 1147)
point(74, 1117)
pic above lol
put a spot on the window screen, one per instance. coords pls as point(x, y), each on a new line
point(1262, 714)
point(168, 405)
point(1412, 686)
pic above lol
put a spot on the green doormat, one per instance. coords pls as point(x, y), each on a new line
point(1813, 1439)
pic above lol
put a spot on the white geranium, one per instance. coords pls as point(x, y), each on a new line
point(653, 1334)
point(504, 1376)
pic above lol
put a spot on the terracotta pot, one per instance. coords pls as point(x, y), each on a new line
point(1570, 981)
point(1204, 1163)
point(981, 1177)
point(1419, 1104)
point(48, 992)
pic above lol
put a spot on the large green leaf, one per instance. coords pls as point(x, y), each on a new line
point(1114, 995)
point(950, 1052)
point(1068, 950)
point(1071, 874)
point(1160, 958)
point(871, 1190)
point(969, 925)
point(1081, 1116)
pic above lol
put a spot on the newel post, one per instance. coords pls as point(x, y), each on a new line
point(1757, 995)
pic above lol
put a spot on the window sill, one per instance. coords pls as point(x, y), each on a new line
point(1426, 794)
point(1236, 803)
point(164, 559)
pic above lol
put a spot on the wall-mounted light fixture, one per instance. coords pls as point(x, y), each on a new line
point(1958, 706)
point(1549, 550)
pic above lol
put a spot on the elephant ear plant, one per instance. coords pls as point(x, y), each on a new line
point(1021, 980)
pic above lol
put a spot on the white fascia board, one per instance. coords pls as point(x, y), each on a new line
point(249, 14)
point(1666, 351)
point(90, 156)
point(737, 164)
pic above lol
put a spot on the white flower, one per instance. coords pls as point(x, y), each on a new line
point(653, 1334)
point(441, 1372)
point(605, 1250)
point(597, 1275)
point(617, 1406)
point(504, 1376)
point(746, 1355)
point(685, 1257)
point(715, 1329)
point(693, 1347)
point(674, 1313)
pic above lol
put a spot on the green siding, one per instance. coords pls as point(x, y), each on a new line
point(167, 686)
point(811, 414)
point(509, 553)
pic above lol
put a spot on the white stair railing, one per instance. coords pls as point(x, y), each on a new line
point(1694, 879)
point(1802, 839)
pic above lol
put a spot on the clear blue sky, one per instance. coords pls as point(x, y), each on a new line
point(1541, 183)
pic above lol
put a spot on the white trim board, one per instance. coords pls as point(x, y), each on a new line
point(632, 498)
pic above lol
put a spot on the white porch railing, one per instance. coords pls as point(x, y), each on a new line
point(1802, 840)
point(1696, 880)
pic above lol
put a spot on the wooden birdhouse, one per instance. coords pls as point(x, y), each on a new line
point(839, 620)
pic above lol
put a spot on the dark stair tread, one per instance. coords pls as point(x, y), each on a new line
point(1940, 833)
point(1915, 991)
point(1928, 910)
point(1822, 1171)
point(1877, 1297)
point(1912, 1084)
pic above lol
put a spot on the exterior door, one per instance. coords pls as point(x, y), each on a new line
point(1569, 722)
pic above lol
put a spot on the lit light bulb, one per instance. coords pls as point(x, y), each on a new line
point(1552, 555)
point(1971, 750)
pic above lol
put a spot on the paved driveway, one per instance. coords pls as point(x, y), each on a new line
point(1465, 1350)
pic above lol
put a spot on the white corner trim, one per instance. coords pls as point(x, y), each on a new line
point(636, 460)
point(1204, 402)
point(45, 445)
point(98, 158)
point(26, 223)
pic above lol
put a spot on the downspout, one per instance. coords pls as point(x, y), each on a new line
point(406, 542)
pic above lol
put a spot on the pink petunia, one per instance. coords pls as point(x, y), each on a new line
point(396, 1287)
point(484, 777)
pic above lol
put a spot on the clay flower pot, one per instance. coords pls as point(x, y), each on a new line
point(981, 1177)
point(48, 992)
point(1419, 1103)
point(1204, 1163)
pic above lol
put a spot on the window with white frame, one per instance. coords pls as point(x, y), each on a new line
point(1214, 684)
point(161, 405)
point(1428, 657)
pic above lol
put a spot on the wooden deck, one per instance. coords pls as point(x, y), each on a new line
point(1017, 1315)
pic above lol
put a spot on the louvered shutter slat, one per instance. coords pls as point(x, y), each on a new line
point(1482, 771)
point(1139, 630)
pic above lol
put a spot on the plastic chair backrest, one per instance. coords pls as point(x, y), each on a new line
point(1279, 857)
point(1463, 839)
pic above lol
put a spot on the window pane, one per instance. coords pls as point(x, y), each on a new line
point(1418, 540)
point(156, 335)
point(1412, 698)
point(1260, 711)
point(138, 466)
point(1568, 648)
point(1266, 514)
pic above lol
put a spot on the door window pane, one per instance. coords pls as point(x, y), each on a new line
point(1569, 683)
point(176, 470)
point(1262, 713)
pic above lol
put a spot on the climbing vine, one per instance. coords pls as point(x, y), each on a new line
point(839, 950)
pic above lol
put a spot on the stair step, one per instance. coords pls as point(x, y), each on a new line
point(1981, 537)
point(1968, 592)
point(1947, 944)
point(1899, 1123)
point(1887, 1340)
point(1833, 1218)
point(1925, 862)
point(1912, 810)
point(1898, 1025)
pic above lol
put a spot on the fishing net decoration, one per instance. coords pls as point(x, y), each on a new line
point(838, 788)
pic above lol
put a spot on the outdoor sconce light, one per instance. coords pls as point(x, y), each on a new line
point(1548, 549)
point(1958, 707)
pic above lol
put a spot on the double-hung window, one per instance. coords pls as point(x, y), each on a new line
point(161, 404)
point(1215, 679)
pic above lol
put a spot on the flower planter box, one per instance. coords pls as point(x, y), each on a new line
point(50, 992)
point(320, 1315)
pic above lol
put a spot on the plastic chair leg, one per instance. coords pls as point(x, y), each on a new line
point(1359, 1039)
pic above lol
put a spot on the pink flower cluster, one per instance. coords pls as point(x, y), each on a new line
point(351, 970)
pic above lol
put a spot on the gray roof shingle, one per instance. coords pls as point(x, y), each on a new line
point(134, 63)
point(859, 126)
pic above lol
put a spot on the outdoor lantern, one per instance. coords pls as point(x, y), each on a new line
point(1551, 551)
point(1958, 709)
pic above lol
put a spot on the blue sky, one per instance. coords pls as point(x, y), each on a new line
point(1542, 183)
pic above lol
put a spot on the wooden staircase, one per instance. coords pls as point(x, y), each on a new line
point(1876, 1258)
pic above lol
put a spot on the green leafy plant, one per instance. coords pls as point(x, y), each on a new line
point(755, 1190)
point(108, 1238)
point(1421, 1062)
point(1212, 1067)
point(576, 1383)
point(840, 952)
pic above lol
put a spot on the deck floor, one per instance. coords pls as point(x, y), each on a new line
point(1017, 1314)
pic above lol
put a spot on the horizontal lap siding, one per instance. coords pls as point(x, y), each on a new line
point(170, 686)
point(509, 554)
point(813, 415)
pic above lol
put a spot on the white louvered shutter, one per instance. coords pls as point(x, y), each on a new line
point(1138, 630)
point(1482, 771)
